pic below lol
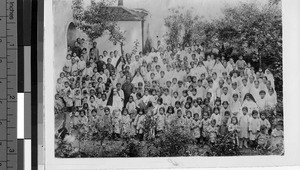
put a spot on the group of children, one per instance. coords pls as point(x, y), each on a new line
point(186, 88)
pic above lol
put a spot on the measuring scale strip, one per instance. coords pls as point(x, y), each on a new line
point(8, 84)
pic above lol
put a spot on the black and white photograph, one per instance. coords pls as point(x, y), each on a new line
point(167, 78)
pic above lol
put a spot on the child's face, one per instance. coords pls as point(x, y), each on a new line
point(216, 111)
point(278, 127)
point(179, 114)
point(130, 99)
point(234, 121)
point(188, 115)
point(263, 117)
point(196, 117)
point(245, 111)
point(225, 91)
point(225, 105)
point(161, 111)
point(196, 104)
point(235, 97)
point(125, 113)
point(213, 123)
point(94, 113)
point(255, 116)
point(262, 95)
point(81, 114)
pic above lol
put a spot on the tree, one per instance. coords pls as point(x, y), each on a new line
point(180, 25)
point(96, 19)
point(257, 32)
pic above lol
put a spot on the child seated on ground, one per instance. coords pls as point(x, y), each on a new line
point(277, 137)
point(262, 138)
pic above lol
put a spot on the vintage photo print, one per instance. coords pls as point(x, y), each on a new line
point(146, 80)
point(165, 80)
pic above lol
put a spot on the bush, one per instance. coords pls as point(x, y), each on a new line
point(225, 146)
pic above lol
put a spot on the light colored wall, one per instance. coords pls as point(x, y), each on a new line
point(63, 17)
point(133, 33)
point(62, 12)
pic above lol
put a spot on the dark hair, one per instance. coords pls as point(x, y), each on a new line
point(163, 108)
point(160, 100)
point(170, 108)
point(226, 113)
point(82, 111)
point(254, 112)
point(245, 108)
point(235, 119)
point(225, 102)
point(106, 109)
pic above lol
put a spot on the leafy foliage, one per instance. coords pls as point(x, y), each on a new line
point(180, 26)
point(251, 30)
point(96, 19)
point(225, 146)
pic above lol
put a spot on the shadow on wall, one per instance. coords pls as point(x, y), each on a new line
point(71, 34)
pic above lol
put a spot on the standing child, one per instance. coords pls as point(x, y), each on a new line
point(131, 107)
point(116, 123)
point(188, 123)
point(169, 117)
point(106, 121)
point(254, 128)
point(83, 120)
point(139, 124)
point(244, 127)
point(125, 124)
point(216, 116)
point(264, 122)
point(212, 131)
point(94, 122)
point(160, 122)
point(235, 129)
point(205, 122)
point(78, 98)
point(180, 120)
point(196, 125)
point(224, 126)
point(196, 109)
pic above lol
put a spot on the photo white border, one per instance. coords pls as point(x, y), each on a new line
point(291, 86)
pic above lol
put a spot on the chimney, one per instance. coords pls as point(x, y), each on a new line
point(120, 2)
